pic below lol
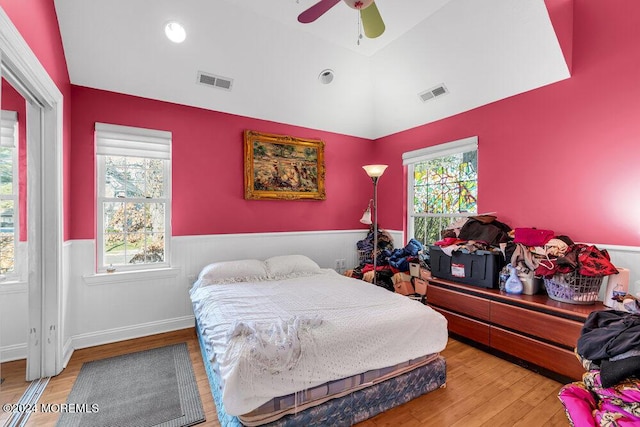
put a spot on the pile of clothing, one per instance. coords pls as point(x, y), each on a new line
point(586, 260)
point(558, 255)
point(475, 233)
point(535, 254)
point(392, 265)
point(609, 393)
point(481, 229)
point(384, 247)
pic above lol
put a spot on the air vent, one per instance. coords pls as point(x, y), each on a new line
point(212, 80)
point(432, 93)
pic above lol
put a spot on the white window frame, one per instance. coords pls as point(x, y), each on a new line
point(9, 138)
point(411, 158)
point(126, 141)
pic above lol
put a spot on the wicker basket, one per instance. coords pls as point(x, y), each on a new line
point(573, 288)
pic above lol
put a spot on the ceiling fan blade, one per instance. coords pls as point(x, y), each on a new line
point(372, 21)
point(316, 11)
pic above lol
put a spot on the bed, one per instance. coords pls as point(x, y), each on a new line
point(285, 342)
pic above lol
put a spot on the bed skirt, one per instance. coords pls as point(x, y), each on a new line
point(349, 409)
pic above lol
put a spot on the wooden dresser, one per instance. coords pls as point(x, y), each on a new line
point(534, 329)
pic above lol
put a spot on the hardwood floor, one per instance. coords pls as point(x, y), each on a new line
point(481, 390)
point(14, 384)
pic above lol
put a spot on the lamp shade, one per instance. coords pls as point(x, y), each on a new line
point(366, 216)
point(374, 171)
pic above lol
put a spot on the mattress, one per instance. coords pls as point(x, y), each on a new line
point(361, 333)
point(345, 410)
point(296, 402)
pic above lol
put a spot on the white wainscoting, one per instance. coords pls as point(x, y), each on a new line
point(13, 321)
point(65, 310)
point(624, 257)
point(324, 247)
point(113, 307)
point(109, 308)
point(104, 309)
point(14, 311)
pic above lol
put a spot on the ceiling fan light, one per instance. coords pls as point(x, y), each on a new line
point(358, 4)
point(175, 32)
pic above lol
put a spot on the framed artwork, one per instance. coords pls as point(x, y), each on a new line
point(282, 167)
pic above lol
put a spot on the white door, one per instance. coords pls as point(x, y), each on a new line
point(14, 312)
point(21, 68)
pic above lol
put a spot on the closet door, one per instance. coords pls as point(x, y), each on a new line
point(21, 68)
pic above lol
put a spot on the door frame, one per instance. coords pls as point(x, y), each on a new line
point(22, 69)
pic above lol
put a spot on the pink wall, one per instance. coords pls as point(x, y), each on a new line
point(563, 157)
point(561, 14)
point(37, 22)
point(13, 101)
point(207, 169)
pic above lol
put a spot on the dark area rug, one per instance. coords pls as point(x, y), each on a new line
point(154, 387)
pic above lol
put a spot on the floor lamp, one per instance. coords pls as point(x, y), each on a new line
point(375, 172)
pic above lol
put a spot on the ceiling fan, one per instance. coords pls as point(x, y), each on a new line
point(371, 19)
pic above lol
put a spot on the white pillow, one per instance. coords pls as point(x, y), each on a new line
point(291, 265)
point(246, 270)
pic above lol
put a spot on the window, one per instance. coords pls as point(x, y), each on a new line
point(442, 187)
point(9, 219)
point(134, 197)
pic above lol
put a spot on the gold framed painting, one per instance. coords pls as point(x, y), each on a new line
point(283, 167)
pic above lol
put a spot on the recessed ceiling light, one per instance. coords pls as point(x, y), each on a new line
point(175, 32)
point(326, 76)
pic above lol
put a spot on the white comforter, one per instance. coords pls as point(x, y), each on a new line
point(350, 326)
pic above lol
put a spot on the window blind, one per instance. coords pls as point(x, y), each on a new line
point(440, 150)
point(8, 128)
point(116, 140)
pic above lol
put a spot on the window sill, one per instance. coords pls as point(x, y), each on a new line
point(13, 287)
point(128, 276)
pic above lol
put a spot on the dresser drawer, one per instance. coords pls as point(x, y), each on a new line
point(547, 356)
point(470, 305)
point(551, 328)
point(466, 327)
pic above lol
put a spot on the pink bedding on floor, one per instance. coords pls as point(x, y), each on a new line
point(587, 403)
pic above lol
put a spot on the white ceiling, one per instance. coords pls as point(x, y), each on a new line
point(483, 51)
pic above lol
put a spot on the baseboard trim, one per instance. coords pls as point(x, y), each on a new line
point(126, 333)
point(67, 352)
point(13, 352)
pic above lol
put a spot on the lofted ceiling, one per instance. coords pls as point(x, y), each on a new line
point(482, 51)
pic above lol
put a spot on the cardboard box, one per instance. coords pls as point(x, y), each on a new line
point(420, 286)
point(479, 268)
